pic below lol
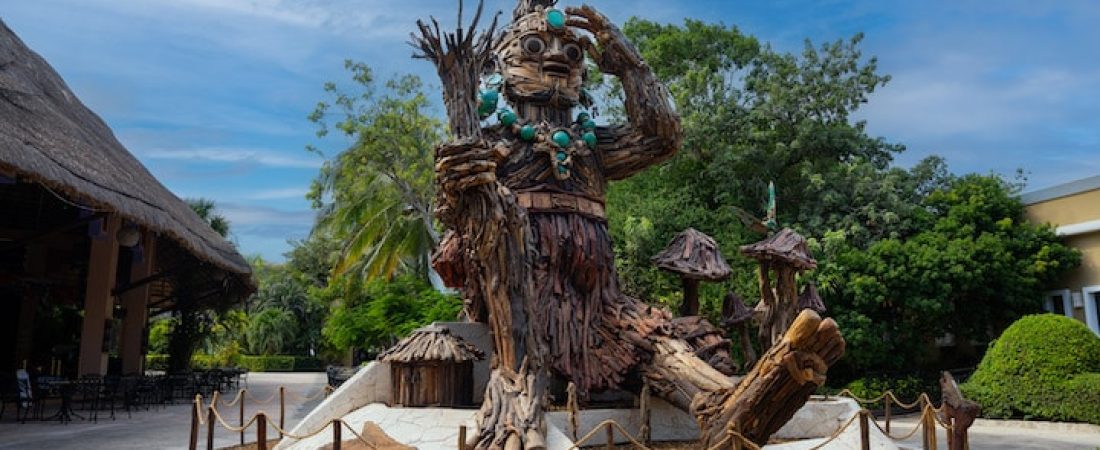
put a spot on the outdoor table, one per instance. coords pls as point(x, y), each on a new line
point(64, 388)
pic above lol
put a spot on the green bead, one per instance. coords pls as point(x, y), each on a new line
point(527, 133)
point(562, 156)
point(555, 18)
point(563, 170)
point(490, 97)
point(590, 139)
point(561, 138)
point(583, 117)
point(507, 117)
point(589, 124)
point(495, 81)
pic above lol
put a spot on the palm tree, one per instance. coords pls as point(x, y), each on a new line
point(206, 209)
point(377, 197)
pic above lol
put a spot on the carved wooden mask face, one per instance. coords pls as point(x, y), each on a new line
point(541, 64)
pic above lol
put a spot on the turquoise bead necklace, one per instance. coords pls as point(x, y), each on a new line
point(563, 147)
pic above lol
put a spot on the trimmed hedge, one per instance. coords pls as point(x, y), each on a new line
point(1042, 367)
point(277, 363)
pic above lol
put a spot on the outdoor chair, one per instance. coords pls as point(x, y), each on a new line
point(27, 403)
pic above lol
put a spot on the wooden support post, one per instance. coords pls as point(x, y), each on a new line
point(864, 430)
point(261, 431)
point(610, 437)
point(99, 304)
point(462, 437)
point(135, 304)
point(282, 410)
point(194, 443)
point(210, 427)
point(337, 428)
point(886, 408)
point(243, 393)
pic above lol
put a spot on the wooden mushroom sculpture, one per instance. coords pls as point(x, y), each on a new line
point(785, 253)
point(810, 299)
point(735, 317)
point(695, 257)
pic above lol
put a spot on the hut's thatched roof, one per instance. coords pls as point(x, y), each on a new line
point(48, 136)
point(432, 344)
point(786, 246)
point(693, 254)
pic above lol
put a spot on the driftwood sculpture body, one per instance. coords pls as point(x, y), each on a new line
point(528, 243)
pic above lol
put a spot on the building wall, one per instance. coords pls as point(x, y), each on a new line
point(1080, 287)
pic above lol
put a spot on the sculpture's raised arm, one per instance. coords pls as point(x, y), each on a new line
point(653, 133)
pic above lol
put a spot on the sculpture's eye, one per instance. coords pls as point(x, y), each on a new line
point(534, 44)
point(573, 52)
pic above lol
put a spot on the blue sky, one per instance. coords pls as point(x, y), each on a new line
point(212, 95)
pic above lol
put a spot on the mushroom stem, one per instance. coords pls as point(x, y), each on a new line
point(748, 354)
point(690, 305)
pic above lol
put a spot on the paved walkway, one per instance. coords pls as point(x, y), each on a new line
point(1015, 435)
point(168, 427)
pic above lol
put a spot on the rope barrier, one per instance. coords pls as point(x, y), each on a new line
point(240, 395)
point(600, 427)
point(296, 437)
point(263, 402)
point(232, 428)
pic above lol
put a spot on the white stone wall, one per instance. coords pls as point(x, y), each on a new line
point(370, 384)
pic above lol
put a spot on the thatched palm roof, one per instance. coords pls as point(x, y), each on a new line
point(48, 136)
point(692, 254)
point(432, 344)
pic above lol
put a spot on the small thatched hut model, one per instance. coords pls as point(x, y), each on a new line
point(432, 367)
point(786, 254)
point(695, 257)
point(810, 299)
point(736, 315)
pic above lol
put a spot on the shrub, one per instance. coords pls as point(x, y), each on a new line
point(906, 388)
point(252, 363)
point(1043, 367)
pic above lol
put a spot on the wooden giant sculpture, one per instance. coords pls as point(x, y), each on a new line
point(523, 199)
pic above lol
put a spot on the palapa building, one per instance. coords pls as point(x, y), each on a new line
point(91, 244)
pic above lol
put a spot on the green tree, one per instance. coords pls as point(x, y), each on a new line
point(385, 311)
point(973, 269)
point(376, 197)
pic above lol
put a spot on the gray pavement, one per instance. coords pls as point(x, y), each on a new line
point(1008, 434)
point(167, 427)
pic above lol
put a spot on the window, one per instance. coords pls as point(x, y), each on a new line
point(1058, 302)
point(1092, 307)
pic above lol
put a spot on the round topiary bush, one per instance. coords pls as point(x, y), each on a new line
point(1042, 367)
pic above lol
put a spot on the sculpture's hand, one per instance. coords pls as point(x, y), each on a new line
point(615, 54)
point(463, 165)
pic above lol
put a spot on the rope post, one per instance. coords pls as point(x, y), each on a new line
point(194, 443)
point(337, 428)
point(241, 424)
point(864, 430)
point(462, 437)
point(886, 407)
point(261, 431)
point(210, 426)
point(610, 437)
point(282, 409)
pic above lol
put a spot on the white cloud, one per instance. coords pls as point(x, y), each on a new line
point(278, 194)
point(244, 216)
point(268, 158)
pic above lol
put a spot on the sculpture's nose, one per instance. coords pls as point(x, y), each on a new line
point(556, 51)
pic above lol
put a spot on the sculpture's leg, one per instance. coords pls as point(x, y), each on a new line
point(512, 415)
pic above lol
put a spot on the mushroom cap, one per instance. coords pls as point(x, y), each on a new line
point(734, 310)
point(810, 299)
point(786, 246)
point(694, 255)
point(432, 343)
